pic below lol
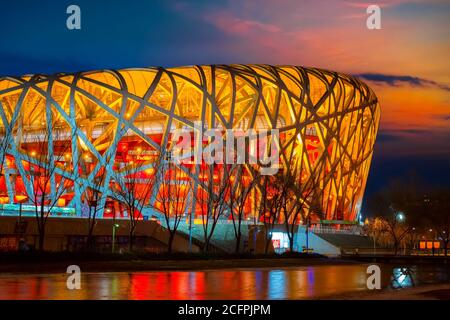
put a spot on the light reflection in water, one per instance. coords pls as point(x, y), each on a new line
point(286, 283)
point(277, 284)
point(310, 280)
point(402, 277)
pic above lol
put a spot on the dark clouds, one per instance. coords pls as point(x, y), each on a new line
point(395, 80)
point(387, 135)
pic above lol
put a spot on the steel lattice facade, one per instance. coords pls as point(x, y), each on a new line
point(328, 121)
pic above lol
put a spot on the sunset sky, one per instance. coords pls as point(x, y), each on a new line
point(406, 62)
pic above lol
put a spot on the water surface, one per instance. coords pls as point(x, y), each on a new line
point(282, 283)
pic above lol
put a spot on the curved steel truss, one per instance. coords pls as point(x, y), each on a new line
point(328, 122)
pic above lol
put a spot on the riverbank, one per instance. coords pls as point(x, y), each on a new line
point(423, 292)
point(57, 262)
point(51, 263)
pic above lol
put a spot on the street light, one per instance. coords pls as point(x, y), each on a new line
point(401, 217)
point(115, 226)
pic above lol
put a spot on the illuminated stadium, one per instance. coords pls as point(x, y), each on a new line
point(103, 123)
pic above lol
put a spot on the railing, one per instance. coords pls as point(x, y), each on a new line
point(27, 209)
point(353, 230)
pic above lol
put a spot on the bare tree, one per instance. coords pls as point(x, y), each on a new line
point(210, 197)
point(292, 204)
point(44, 153)
point(242, 183)
point(171, 198)
point(376, 229)
point(393, 208)
point(92, 196)
point(270, 207)
point(286, 198)
point(133, 189)
point(396, 228)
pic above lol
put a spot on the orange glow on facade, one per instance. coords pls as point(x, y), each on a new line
point(111, 119)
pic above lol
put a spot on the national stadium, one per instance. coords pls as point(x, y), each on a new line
point(65, 136)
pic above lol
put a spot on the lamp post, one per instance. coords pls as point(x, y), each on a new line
point(115, 226)
point(434, 236)
point(190, 232)
point(255, 236)
point(401, 218)
point(192, 211)
point(307, 234)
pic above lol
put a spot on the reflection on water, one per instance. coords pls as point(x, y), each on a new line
point(286, 283)
point(402, 277)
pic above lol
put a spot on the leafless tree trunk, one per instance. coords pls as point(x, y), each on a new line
point(394, 210)
point(172, 196)
point(396, 229)
point(241, 186)
point(92, 197)
point(270, 207)
point(133, 190)
point(211, 195)
point(45, 154)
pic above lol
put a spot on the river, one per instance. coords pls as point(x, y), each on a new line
point(280, 283)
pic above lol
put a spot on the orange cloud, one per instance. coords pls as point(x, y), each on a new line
point(333, 35)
